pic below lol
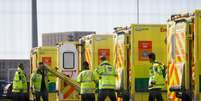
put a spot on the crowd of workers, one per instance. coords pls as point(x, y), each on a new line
point(101, 80)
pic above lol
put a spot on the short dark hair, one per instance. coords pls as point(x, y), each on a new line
point(103, 58)
point(40, 63)
point(85, 65)
point(152, 56)
point(20, 65)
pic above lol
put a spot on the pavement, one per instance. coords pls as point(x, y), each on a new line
point(5, 99)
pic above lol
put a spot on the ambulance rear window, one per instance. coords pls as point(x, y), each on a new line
point(68, 60)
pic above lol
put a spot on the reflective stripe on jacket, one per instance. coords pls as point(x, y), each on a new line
point(107, 75)
point(20, 81)
point(87, 79)
point(156, 79)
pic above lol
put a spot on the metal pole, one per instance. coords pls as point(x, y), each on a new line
point(34, 24)
point(138, 12)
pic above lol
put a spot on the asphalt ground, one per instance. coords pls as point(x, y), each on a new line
point(1, 99)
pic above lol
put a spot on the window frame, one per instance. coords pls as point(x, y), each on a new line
point(73, 60)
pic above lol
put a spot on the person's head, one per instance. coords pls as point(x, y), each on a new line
point(85, 65)
point(103, 58)
point(40, 65)
point(20, 65)
point(152, 57)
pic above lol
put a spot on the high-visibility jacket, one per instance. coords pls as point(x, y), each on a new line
point(107, 75)
point(36, 80)
point(87, 78)
point(20, 81)
point(156, 78)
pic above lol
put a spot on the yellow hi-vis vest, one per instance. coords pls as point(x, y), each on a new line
point(19, 81)
point(36, 80)
point(156, 79)
point(107, 75)
point(87, 78)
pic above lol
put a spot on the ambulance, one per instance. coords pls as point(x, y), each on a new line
point(62, 63)
point(184, 56)
point(93, 47)
point(47, 55)
point(67, 65)
point(131, 46)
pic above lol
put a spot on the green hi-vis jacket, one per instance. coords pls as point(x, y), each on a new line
point(88, 79)
point(156, 79)
point(20, 81)
point(36, 80)
point(107, 75)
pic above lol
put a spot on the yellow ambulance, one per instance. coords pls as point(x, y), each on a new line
point(67, 65)
point(95, 45)
point(47, 55)
point(184, 56)
point(131, 47)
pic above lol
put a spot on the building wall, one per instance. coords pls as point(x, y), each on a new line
point(8, 68)
point(51, 39)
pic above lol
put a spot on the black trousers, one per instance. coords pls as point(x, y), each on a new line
point(88, 97)
point(155, 94)
point(19, 97)
point(103, 93)
point(43, 94)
